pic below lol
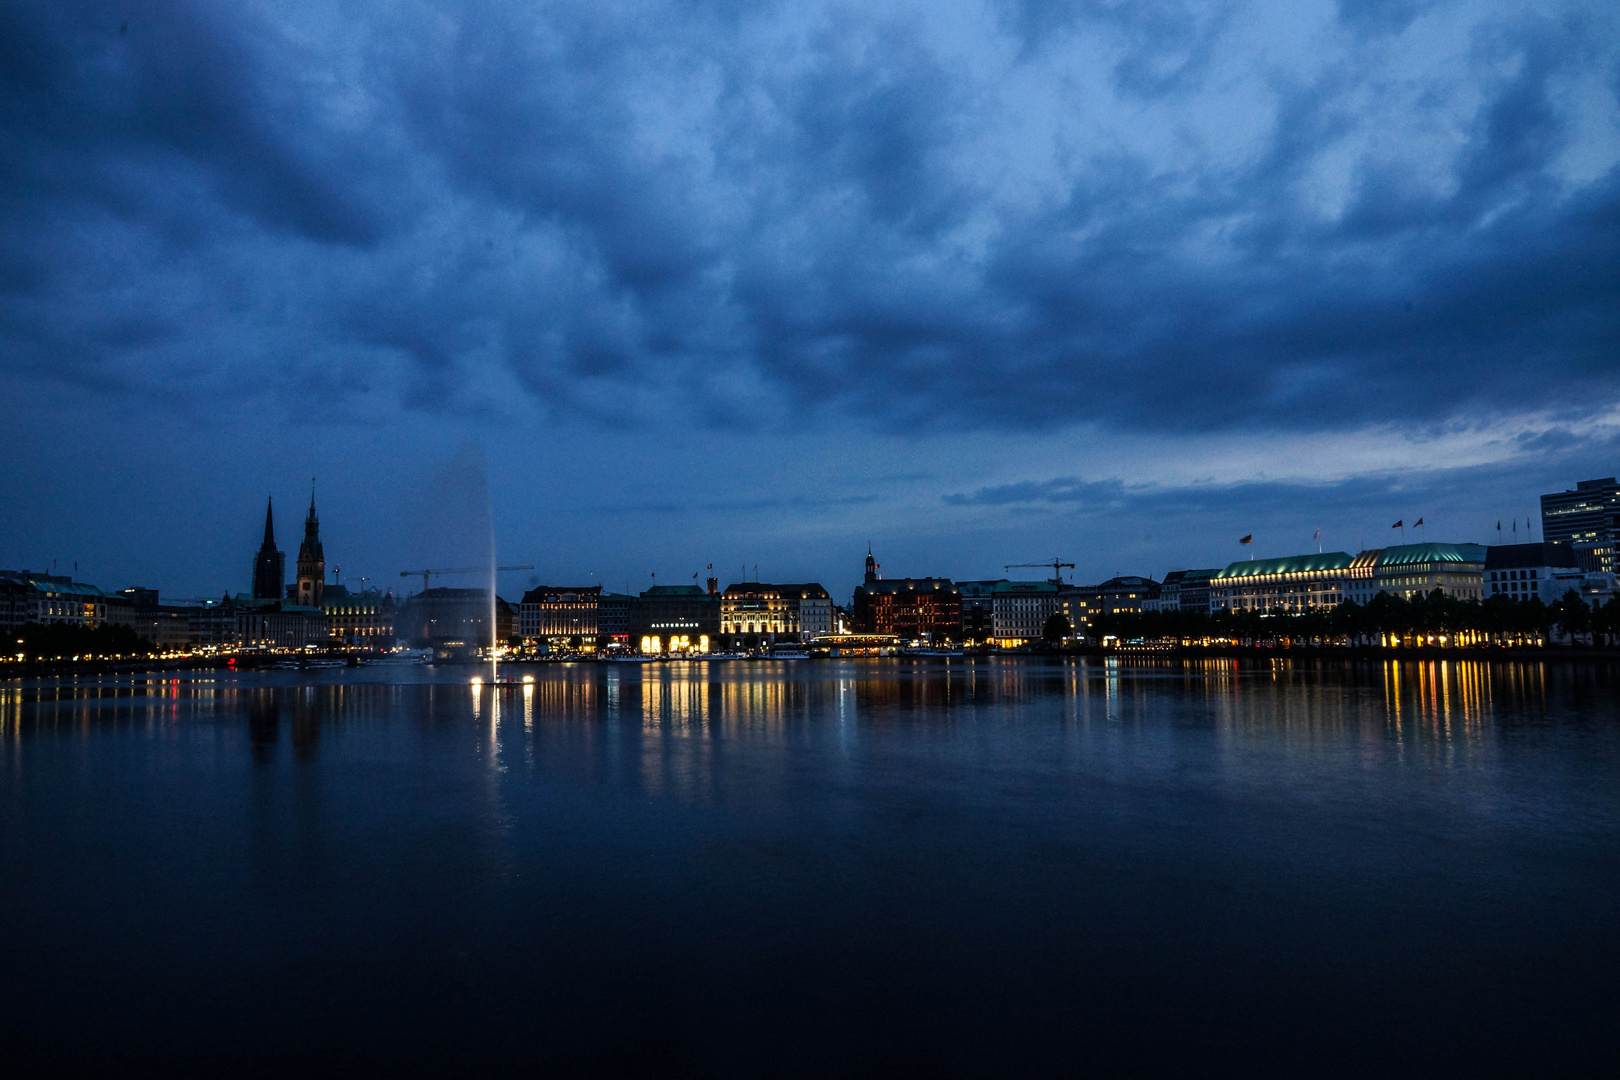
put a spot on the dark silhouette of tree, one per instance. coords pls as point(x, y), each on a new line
point(1387, 618)
point(63, 641)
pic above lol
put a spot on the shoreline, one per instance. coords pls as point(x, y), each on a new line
point(1253, 653)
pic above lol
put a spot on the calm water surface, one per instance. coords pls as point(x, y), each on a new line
point(873, 867)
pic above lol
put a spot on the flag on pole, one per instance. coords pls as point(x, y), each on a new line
point(1247, 539)
point(1318, 535)
point(1401, 524)
point(1416, 523)
point(1515, 525)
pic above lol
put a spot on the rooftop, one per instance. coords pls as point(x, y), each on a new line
point(1293, 564)
point(1413, 554)
point(1003, 587)
point(58, 587)
point(668, 591)
point(540, 593)
point(906, 584)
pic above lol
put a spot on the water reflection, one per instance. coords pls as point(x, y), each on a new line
point(681, 711)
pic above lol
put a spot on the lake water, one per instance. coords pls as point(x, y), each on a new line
point(999, 867)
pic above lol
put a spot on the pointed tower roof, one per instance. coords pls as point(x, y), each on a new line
point(269, 523)
point(312, 515)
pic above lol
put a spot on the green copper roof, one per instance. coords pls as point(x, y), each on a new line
point(1294, 564)
point(674, 590)
point(1409, 554)
point(1024, 587)
point(65, 588)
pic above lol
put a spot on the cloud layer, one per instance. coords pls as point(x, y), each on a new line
point(1162, 216)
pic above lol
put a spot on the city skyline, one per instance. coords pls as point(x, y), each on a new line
point(397, 582)
point(980, 284)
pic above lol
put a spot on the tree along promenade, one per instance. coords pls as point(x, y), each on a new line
point(1387, 621)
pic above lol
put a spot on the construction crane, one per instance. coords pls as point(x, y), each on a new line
point(1057, 566)
point(427, 575)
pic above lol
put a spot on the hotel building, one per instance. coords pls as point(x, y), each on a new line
point(1313, 582)
point(1295, 584)
point(359, 619)
point(1413, 570)
point(560, 612)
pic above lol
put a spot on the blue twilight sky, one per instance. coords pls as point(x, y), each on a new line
point(655, 286)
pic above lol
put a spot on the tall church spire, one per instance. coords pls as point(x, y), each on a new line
point(270, 565)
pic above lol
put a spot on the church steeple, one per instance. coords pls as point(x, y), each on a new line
point(311, 559)
point(871, 566)
point(270, 565)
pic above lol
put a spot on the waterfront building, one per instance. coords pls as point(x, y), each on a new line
point(310, 587)
point(1547, 571)
point(1322, 580)
point(1081, 604)
point(763, 613)
point(52, 598)
point(454, 620)
point(1587, 518)
point(1295, 584)
point(978, 609)
point(362, 619)
point(613, 617)
point(14, 602)
point(1413, 570)
point(758, 612)
point(120, 610)
point(675, 619)
point(1183, 590)
point(269, 565)
point(1020, 609)
point(278, 625)
point(166, 626)
point(560, 612)
point(815, 609)
point(911, 609)
point(214, 624)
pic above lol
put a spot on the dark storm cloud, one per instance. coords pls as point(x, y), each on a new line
point(747, 217)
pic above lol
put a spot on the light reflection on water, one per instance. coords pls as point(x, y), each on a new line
point(1440, 704)
point(817, 868)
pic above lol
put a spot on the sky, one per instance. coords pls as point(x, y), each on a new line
point(628, 289)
